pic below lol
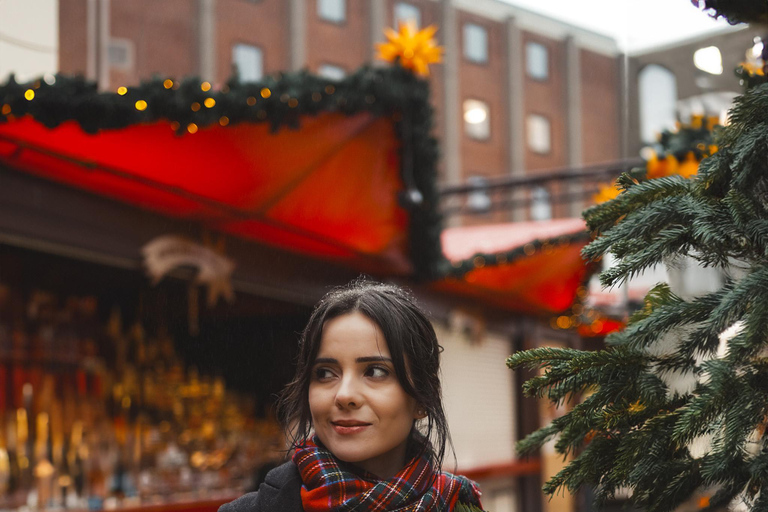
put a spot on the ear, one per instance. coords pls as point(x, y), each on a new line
point(420, 413)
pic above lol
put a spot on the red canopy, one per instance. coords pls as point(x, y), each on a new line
point(530, 267)
point(329, 190)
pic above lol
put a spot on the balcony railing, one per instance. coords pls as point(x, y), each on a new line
point(539, 195)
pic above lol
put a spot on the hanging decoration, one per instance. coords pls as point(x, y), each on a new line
point(412, 48)
point(168, 252)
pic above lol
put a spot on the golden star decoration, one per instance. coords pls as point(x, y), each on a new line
point(416, 49)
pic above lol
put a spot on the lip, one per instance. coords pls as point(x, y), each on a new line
point(349, 427)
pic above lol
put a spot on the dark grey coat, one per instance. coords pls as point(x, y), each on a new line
point(280, 492)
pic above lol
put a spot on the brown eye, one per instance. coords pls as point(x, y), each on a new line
point(377, 372)
point(323, 374)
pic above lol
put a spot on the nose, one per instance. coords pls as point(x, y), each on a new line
point(348, 394)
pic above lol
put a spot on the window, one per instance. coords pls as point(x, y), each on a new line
point(475, 43)
point(541, 207)
point(248, 61)
point(331, 71)
point(120, 53)
point(537, 61)
point(407, 13)
point(478, 200)
point(657, 88)
point(477, 122)
point(332, 10)
point(539, 134)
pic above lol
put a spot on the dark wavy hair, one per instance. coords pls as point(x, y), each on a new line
point(415, 355)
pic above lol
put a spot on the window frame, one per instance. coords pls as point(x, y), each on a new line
point(344, 17)
point(465, 39)
point(329, 65)
point(234, 62)
point(468, 131)
point(416, 8)
point(529, 133)
point(547, 53)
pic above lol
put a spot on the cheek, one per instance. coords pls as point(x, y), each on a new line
point(316, 401)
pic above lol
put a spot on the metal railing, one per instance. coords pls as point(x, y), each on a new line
point(564, 191)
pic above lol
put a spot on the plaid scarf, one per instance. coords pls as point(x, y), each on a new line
point(332, 485)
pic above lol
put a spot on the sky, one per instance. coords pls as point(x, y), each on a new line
point(636, 25)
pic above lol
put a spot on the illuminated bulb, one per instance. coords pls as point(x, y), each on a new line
point(49, 79)
point(223, 120)
point(192, 128)
point(709, 60)
point(195, 107)
point(6, 109)
point(475, 115)
point(329, 89)
point(251, 101)
point(757, 50)
point(122, 90)
point(29, 94)
point(141, 105)
point(266, 93)
point(168, 83)
point(209, 102)
point(205, 86)
point(293, 102)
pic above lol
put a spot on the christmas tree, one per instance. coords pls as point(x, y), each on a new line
point(677, 403)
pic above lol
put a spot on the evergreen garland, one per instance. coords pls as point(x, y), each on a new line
point(280, 100)
point(737, 11)
point(664, 412)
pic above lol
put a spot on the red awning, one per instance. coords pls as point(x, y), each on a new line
point(529, 267)
point(329, 189)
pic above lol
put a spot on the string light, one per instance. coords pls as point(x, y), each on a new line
point(195, 106)
point(141, 105)
point(479, 262)
point(251, 101)
point(122, 90)
point(293, 102)
point(175, 125)
point(205, 86)
point(316, 96)
point(168, 83)
point(6, 109)
point(209, 102)
point(266, 93)
point(29, 94)
point(329, 89)
point(223, 120)
point(529, 249)
point(284, 97)
point(192, 128)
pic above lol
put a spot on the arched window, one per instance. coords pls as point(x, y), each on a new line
point(658, 96)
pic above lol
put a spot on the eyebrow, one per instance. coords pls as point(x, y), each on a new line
point(368, 359)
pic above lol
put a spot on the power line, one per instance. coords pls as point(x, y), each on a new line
point(29, 46)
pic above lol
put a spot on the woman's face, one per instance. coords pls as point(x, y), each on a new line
point(359, 410)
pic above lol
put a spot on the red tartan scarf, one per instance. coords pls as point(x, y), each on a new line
point(331, 485)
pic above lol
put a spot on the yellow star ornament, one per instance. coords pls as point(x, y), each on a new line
point(416, 49)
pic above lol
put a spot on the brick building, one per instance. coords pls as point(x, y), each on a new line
point(517, 93)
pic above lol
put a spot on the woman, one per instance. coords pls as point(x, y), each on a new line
point(364, 413)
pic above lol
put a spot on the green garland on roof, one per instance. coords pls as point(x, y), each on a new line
point(280, 100)
point(736, 11)
point(479, 260)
